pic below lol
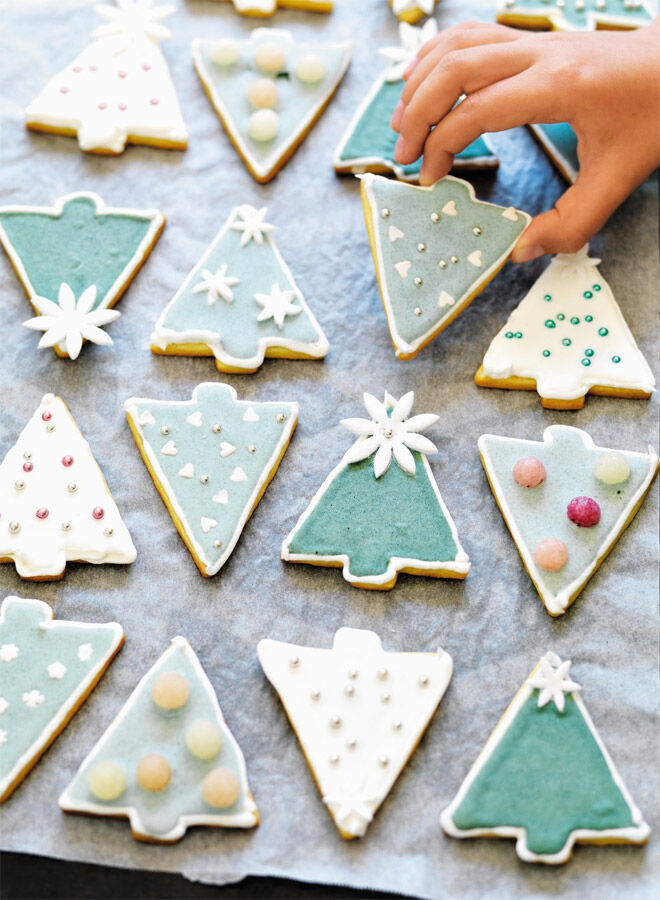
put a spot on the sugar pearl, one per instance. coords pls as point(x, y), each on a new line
point(584, 511)
point(263, 125)
point(612, 468)
point(225, 52)
point(310, 69)
point(170, 690)
point(153, 772)
point(270, 57)
point(203, 739)
point(529, 472)
point(106, 780)
point(262, 93)
point(551, 554)
point(220, 788)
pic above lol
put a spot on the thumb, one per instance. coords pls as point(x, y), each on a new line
point(578, 214)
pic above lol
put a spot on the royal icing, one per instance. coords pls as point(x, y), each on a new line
point(534, 514)
point(452, 245)
point(560, 143)
point(157, 762)
point(575, 15)
point(368, 144)
point(54, 503)
point(380, 512)
point(569, 336)
point(43, 679)
point(545, 778)
point(75, 260)
point(300, 101)
point(221, 467)
point(412, 10)
point(118, 90)
point(241, 301)
point(358, 711)
point(268, 7)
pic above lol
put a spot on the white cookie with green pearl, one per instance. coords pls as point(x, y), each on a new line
point(168, 761)
point(358, 711)
point(576, 15)
point(47, 669)
point(267, 122)
point(55, 505)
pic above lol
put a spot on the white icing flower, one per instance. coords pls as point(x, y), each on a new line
point(8, 652)
point(576, 264)
point(390, 435)
point(412, 39)
point(553, 683)
point(3, 737)
point(32, 699)
point(353, 809)
point(252, 224)
point(85, 652)
point(217, 285)
point(134, 18)
point(56, 670)
point(4, 706)
point(69, 321)
point(277, 305)
point(401, 6)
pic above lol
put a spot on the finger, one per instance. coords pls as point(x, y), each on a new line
point(460, 72)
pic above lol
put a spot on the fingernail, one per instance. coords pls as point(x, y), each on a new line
point(400, 150)
point(410, 68)
point(395, 121)
point(524, 254)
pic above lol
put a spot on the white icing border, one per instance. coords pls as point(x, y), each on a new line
point(246, 819)
point(556, 604)
point(163, 337)
point(288, 427)
point(558, 22)
point(269, 167)
point(559, 161)
point(397, 564)
point(401, 346)
point(69, 707)
point(636, 835)
point(140, 256)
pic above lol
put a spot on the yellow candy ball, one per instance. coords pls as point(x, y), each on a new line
point(220, 788)
point(106, 780)
point(263, 125)
point(612, 467)
point(262, 93)
point(225, 52)
point(270, 57)
point(153, 772)
point(203, 739)
point(170, 690)
point(310, 69)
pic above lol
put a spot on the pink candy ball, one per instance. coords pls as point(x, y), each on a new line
point(529, 472)
point(584, 511)
point(551, 554)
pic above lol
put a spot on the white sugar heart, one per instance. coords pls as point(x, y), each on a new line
point(195, 419)
point(449, 209)
point(475, 258)
point(221, 497)
point(207, 524)
point(511, 214)
point(238, 475)
point(169, 449)
point(226, 449)
point(146, 418)
point(394, 233)
point(403, 267)
point(187, 471)
point(445, 299)
point(250, 415)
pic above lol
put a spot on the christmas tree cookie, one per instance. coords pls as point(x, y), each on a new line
point(55, 505)
point(47, 670)
point(240, 303)
point(359, 712)
point(567, 339)
point(75, 260)
point(545, 778)
point(565, 502)
point(575, 15)
point(412, 11)
point(269, 91)
point(368, 145)
point(560, 143)
point(211, 459)
point(168, 761)
point(262, 8)
point(434, 249)
point(118, 90)
point(379, 512)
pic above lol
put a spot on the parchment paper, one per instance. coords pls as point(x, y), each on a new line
point(493, 624)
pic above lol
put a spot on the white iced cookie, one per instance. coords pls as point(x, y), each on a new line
point(575, 15)
point(412, 11)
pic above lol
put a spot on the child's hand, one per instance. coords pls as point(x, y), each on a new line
point(605, 84)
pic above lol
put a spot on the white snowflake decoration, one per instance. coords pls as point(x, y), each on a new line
point(552, 681)
point(277, 305)
point(252, 224)
point(32, 699)
point(134, 19)
point(4, 706)
point(217, 285)
point(388, 435)
point(579, 263)
point(412, 39)
point(8, 652)
point(71, 321)
point(3, 737)
point(84, 652)
point(56, 670)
